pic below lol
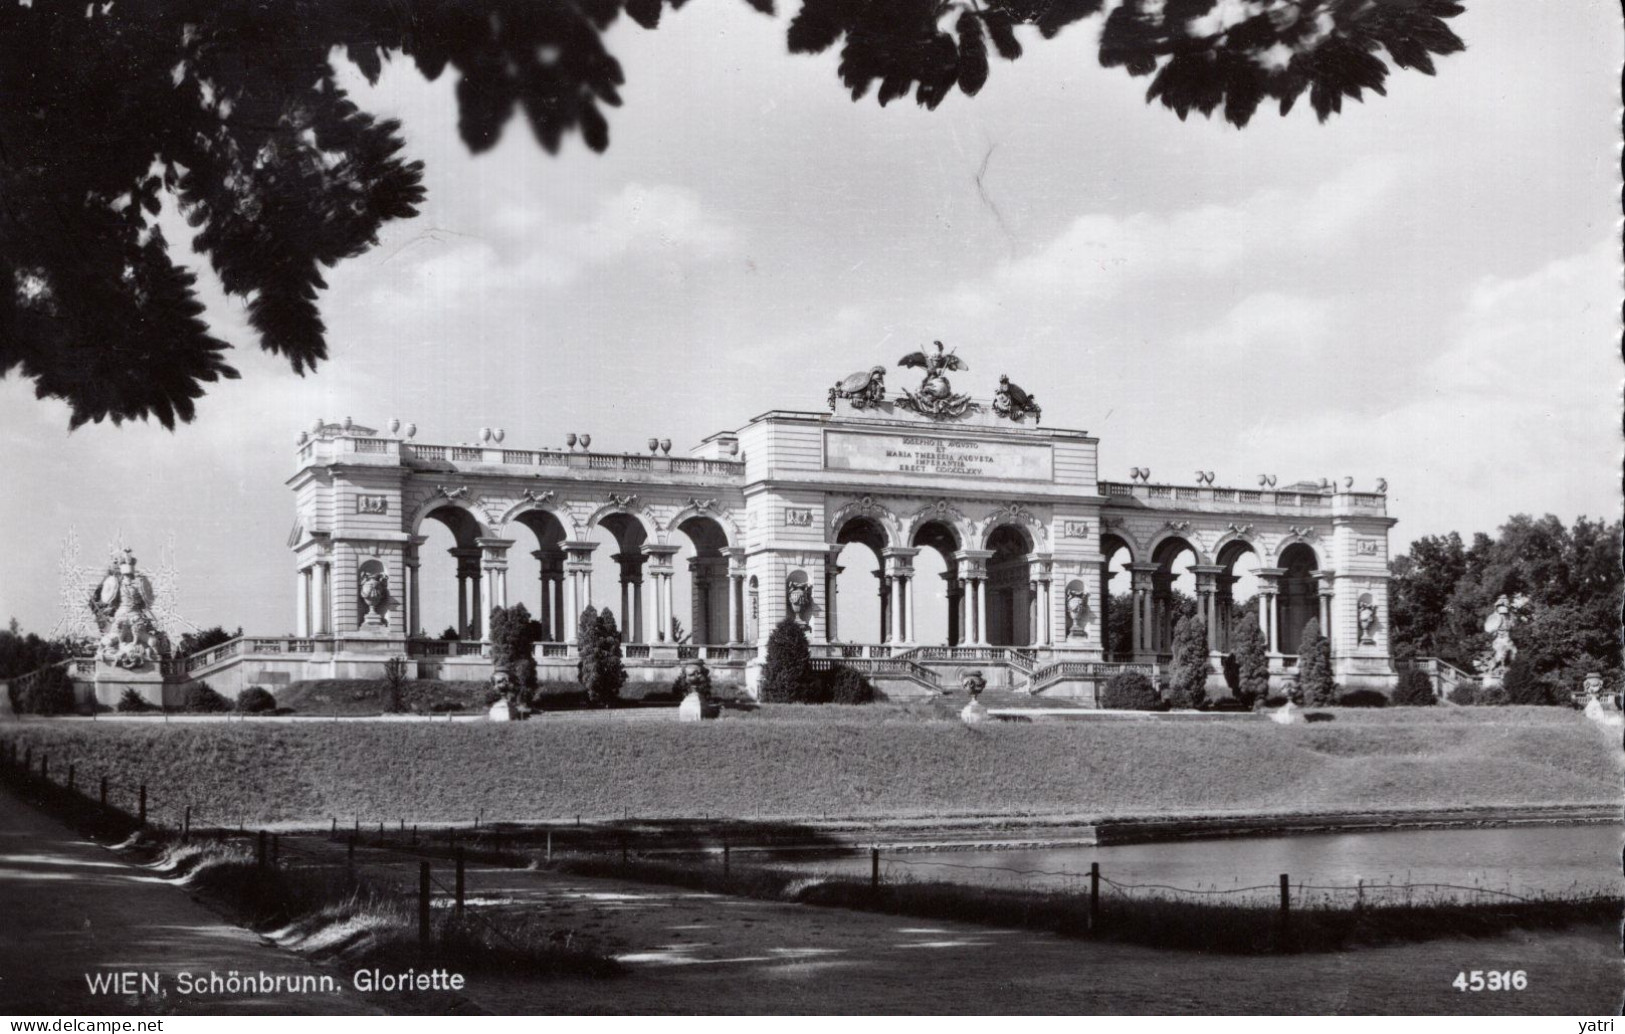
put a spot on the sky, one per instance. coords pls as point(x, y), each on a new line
point(1424, 289)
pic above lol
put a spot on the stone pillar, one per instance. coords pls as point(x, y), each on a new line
point(884, 584)
point(578, 584)
point(1143, 638)
point(631, 565)
point(1045, 609)
point(1324, 581)
point(1269, 589)
point(660, 569)
point(468, 567)
point(832, 593)
point(899, 562)
point(954, 593)
point(972, 567)
point(302, 600)
point(1207, 595)
point(493, 575)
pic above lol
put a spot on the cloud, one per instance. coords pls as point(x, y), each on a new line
point(1267, 323)
point(1517, 413)
point(1100, 255)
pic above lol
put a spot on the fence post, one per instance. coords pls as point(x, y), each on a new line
point(414, 834)
point(380, 832)
point(550, 845)
point(423, 905)
point(459, 881)
point(1286, 907)
point(259, 850)
point(141, 813)
point(186, 823)
point(349, 854)
point(1359, 895)
point(333, 834)
point(874, 868)
point(1094, 895)
point(725, 859)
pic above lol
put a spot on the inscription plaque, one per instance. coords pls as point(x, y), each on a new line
point(940, 455)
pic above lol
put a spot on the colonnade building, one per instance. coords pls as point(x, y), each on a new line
point(1030, 545)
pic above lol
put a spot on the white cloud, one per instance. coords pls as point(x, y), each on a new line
point(1266, 323)
point(1518, 413)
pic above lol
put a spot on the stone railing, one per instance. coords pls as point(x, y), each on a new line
point(1059, 671)
point(873, 666)
point(601, 461)
point(1204, 497)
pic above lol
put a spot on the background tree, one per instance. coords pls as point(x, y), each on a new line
point(1521, 685)
point(1120, 626)
point(787, 675)
point(600, 669)
point(1251, 651)
point(206, 639)
point(1415, 689)
point(22, 653)
point(1187, 678)
point(513, 634)
point(1315, 678)
point(233, 112)
point(395, 685)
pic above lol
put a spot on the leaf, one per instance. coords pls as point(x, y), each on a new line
point(645, 12)
point(1003, 32)
point(815, 28)
point(972, 54)
point(1062, 13)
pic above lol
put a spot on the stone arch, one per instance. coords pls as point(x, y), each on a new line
point(940, 512)
point(1012, 544)
point(935, 588)
point(527, 508)
point(1120, 538)
point(865, 508)
point(1162, 548)
point(723, 519)
point(1286, 544)
point(651, 528)
point(437, 502)
point(1230, 548)
point(1014, 516)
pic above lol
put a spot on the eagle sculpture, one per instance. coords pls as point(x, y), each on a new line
point(1013, 403)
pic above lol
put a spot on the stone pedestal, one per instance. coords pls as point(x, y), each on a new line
point(1288, 714)
point(1602, 715)
point(112, 681)
point(973, 713)
point(692, 709)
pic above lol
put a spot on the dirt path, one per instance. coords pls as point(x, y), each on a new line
point(71, 908)
point(689, 952)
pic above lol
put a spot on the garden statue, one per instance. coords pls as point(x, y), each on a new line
point(1367, 620)
point(973, 683)
point(375, 594)
point(1077, 602)
point(863, 389)
point(936, 396)
point(798, 597)
point(1014, 404)
point(1503, 651)
point(122, 605)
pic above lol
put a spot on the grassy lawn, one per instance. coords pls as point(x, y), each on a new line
point(796, 762)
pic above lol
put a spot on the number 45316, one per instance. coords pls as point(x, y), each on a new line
point(1491, 980)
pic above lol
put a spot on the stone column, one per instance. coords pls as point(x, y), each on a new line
point(884, 584)
point(832, 593)
point(578, 584)
point(494, 576)
point(659, 568)
point(1143, 638)
point(1269, 588)
point(302, 600)
point(631, 566)
point(972, 567)
point(1045, 608)
point(1324, 580)
point(1207, 594)
point(954, 593)
point(899, 562)
point(468, 591)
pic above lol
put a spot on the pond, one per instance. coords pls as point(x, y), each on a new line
point(1441, 864)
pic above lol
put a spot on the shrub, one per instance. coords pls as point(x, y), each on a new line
point(1415, 689)
point(133, 702)
point(598, 643)
point(1522, 686)
point(787, 675)
point(50, 692)
point(1252, 660)
point(1315, 666)
point(1466, 695)
point(395, 685)
point(1363, 698)
point(1493, 696)
point(848, 686)
point(1130, 691)
point(513, 634)
point(202, 699)
point(255, 700)
point(1187, 679)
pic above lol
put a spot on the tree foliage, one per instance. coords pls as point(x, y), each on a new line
point(1251, 650)
point(513, 634)
point(21, 653)
point(1415, 689)
point(1315, 679)
point(1187, 678)
point(599, 667)
point(1130, 691)
point(234, 113)
point(206, 639)
point(787, 675)
point(1442, 589)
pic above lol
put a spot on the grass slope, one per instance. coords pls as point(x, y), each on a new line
point(812, 762)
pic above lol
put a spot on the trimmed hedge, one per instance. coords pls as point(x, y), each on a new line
point(202, 699)
point(1415, 689)
point(255, 700)
point(1130, 691)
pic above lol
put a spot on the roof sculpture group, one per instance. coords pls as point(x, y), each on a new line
point(935, 397)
